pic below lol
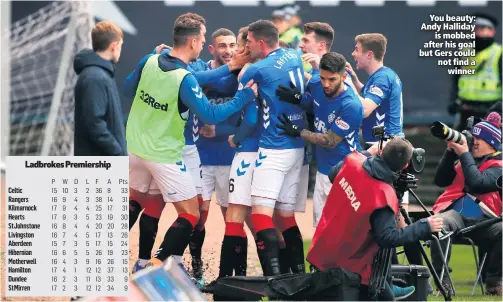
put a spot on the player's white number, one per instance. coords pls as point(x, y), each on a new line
point(297, 78)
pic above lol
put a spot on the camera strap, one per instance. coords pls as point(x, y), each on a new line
point(483, 206)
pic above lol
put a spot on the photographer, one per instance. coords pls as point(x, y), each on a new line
point(471, 177)
point(363, 203)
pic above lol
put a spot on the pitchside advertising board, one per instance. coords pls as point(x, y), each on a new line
point(65, 225)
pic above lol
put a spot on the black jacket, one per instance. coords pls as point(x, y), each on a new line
point(383, 220)
point(476, 182)
point(99, 124)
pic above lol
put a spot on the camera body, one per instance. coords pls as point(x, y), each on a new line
point(417, 161)
point(406, 178)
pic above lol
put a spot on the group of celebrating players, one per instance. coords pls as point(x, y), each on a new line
point(236, 125)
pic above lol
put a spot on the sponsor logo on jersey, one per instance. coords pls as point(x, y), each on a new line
point(341, 124)
point(149, 100)
point(220, 100)
point(376, 90)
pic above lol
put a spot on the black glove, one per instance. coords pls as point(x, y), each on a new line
point(288, 127)
point(290, 95)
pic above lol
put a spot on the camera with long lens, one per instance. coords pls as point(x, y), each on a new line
point(442, 131)
point(406, 178)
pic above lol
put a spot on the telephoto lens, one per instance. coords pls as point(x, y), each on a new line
point(442, 131)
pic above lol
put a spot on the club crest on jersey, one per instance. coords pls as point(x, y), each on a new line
point(331, 118)
point(341, 124)
point(376, 90)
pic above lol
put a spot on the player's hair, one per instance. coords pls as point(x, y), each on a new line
point(243, 31)
point(397, 153)
point(190, 16)
point(322, 31)
point(265, 30)
point(185, 29)
point(104, 33)
point(283, 44)
point(333, 62)
point(374, 42)
point(222, 32)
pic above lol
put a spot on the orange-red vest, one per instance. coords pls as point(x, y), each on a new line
point(343, 237)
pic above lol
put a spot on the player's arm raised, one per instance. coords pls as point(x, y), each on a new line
point(250, 114)
point(248, 123)
point(193, 97)
point(369, 105)
point(354, 78)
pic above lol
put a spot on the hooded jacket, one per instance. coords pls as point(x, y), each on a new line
point(99, 124)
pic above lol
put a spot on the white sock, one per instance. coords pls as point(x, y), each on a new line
point(142, 262)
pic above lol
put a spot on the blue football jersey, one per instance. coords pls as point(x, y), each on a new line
point(280, 67)
point(385, 89)
point(191, 130)
point(250, 123)
point(342, 115)
point(216, 151)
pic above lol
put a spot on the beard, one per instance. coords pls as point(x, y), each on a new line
point(333, 92)
point(221, 61)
